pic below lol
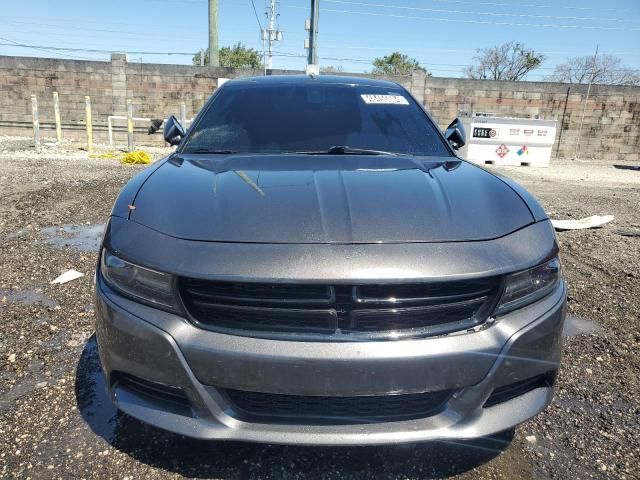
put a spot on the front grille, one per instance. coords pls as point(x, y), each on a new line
point(341, 312)
point(267, 407)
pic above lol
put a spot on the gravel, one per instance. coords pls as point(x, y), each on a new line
point(56, 422)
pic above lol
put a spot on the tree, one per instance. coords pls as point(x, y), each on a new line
point(603, 69)
point(237, 56)
point(509, 61)
point(396, 64)
point(332, 69)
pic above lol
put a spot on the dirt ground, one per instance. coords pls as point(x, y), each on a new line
point(56, 422)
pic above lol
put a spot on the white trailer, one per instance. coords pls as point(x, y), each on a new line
point(508, 141)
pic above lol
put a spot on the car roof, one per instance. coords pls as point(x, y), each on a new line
point(309, 79)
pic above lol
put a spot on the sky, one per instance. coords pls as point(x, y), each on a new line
point(442, 35)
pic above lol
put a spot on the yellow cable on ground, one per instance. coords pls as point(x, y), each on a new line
point(138, 157)
point(128, 158)
point(108, 155)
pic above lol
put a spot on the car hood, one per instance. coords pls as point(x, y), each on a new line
point(327, 199)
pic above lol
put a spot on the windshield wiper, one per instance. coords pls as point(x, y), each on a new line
point(213, 152)
point(344, 150)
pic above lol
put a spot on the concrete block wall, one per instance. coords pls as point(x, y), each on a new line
point(611, 129)
point(155, 91)
point(22, 77)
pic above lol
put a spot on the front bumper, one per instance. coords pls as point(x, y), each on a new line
point(161, 347)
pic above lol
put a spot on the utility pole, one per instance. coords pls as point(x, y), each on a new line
point(584, 109)
point(312, 43)
point(214, 58)
point(272, 33)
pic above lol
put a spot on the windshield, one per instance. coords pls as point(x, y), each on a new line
point(312, 118)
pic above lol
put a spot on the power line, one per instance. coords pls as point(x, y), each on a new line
point(130, 33)
point(511, 5)
point(88, 50)
point(462, 12)
point(8, 42)
point(120, 32)
point(255, 12)
point(422, 63)
point(146, 35)
point(73, 20)
point(42, 48)
point(479, 22)
point(80, 40)
point(446, 50)
point(403, 48)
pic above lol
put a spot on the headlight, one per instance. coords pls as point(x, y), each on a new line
point(526, 287)
point(149, 286)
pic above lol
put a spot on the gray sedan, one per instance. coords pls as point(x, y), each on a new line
point(314, 265)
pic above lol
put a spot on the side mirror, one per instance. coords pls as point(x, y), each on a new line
point(455, 134)
point(173, 131)
point(154, 125)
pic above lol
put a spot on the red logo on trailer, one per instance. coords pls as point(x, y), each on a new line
point(502, 150)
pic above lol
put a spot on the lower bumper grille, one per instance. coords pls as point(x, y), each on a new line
point(513, 390)
point(165, 397)
point(313, 410)
point(339, 312)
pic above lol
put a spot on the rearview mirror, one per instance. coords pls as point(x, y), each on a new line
point(455, 134)
point(173, 131)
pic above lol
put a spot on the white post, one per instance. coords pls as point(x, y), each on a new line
point(129, 125)
point(183, 115)
point(87, 103)
point(36, 122)
point(110, 128)
point(56, 114)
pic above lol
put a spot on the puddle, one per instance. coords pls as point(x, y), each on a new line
point(91, 395)
point(56, 342)
point(34, 381)
point(13, 235)
point(574, 326)
point(40, 375)
point(20, 390)
point(27, 297)
point(85, 238)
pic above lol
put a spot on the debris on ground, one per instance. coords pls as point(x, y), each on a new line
point(628, 232)
point(627, 167)
point(594, 221)
point(67, 276)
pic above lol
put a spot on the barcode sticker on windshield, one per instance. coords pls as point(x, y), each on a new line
point(384, 99)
